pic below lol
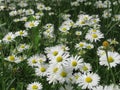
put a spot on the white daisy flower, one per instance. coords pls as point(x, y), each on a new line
point(13, 13)
point(33, 60)
point(22, 47)
point(75, 78)
point(41, 59)
point(40, 6)
point(78, 33)
point(34, 86)
point(88, 80)
point(80, 45)
point(29, 12)
point(64, 28)
point(12, 58)
point(22, 33)
point(93, 37)
point(31, 24)
point(89, 46)
point(60, 59)
point(74, 62)
point(52, 71)
point(9, 37)
point(112, 60)
point(52, 52)
point(86, 67)
point(41, 70)
point(64, 75)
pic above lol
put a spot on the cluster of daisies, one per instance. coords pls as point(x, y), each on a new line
point(58, 66)
point(62, 61)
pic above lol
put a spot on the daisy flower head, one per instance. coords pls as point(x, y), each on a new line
point(89, 46)
point(40, 6)
point(78, 33)
point(86, 67)
point(9, 37)
point(112, 59)
point(88, 80)
point(52, 52)
point(34, 86)
point(52, 71)
point(64, 28)
point(42, 59)
point(64, 74)
point(66, 16)
point(49, 26)
point(21, 33)
point(80, 45)
point(22, 47)
point(29, 12)
point(41, 70)
point(75, 77)
point(31, 24)
point(13, 13)
point(75, 62)
point(83, 20)
point(33, 60)
point(68, 22)
point(60, 59)
point(93, 37)
point(12, 58)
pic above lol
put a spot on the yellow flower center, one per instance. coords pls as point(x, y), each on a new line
point(34, 87)
point(81, 44)
point(21, 33)
point(89, 47)
point(82, 22)
point(88, 79)
point(55, 70)
point(64, 29)
point(34, 61)
point(94, 35)
point(42, 69)
point(74, 63)
point(22, 46)
point(9, 37)
point(94, 20)
point(11, 58)
point(84, 68)
point(32, 24)
point(110, 59)
point(59, 59)
point(63, 74)
point(55, 53)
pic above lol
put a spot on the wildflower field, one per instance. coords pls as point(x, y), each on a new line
point(59, 44)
